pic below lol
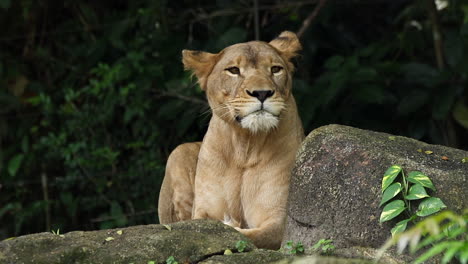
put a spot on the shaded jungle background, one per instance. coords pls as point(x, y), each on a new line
point(93, 96)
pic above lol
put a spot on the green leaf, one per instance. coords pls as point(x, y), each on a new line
point(419, 73)
point(171, 260)
point(437, 249)
point(231, 36)
point(390, 176)
point(465, 12)
point(241, 245)
point(445, 101)
point(15, 164)
point(464, 255)
point(419, 177)
point(5, 4)
point(392, 210)
point(417, 192)
point(390, 192)
point(334, 62)
point(412, 102)
point(364, 74)
point(400, 227)
point(453, 249)
point(371, 94)
point(460, 113)
point(429, 206)
point(453, 48)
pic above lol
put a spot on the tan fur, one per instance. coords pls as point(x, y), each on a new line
point(240, 173)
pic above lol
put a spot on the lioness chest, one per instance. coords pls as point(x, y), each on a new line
point(232, 181)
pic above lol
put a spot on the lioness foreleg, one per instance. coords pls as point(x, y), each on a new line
point(176, 195)
point(265, 197)
point(267, 235)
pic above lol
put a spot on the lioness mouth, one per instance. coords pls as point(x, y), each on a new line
point(260, 120)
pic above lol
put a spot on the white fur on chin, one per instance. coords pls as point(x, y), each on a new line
point(260, 121)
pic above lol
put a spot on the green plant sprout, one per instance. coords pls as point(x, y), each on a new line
point(324, 246)
point(241, 245)
point(171, 260)
point(294, 248)
point(412, 188)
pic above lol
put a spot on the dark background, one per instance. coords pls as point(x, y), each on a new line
point(93, 96)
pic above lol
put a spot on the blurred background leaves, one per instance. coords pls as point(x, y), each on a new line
point(93, 96)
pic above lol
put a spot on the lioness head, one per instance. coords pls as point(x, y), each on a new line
point(248, 84)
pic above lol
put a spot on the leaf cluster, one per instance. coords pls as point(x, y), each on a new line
point(241, 245)
point(412, 188)
point(293, 248)
point(324, 246)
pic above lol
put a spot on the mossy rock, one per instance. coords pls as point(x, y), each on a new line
point(336, 183)
point(190, 241)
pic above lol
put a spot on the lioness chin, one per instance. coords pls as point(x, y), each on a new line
point(240, 173)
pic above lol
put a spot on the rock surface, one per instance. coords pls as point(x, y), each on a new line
point(187, 242)
point(197, 241)
point(336, 185)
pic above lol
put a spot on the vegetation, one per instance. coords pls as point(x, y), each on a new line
point(445, 233)
point(241, 245)
point(171, 260)
point(412, 188)
point(324, 247)
point(93, 95)
point(293, 248)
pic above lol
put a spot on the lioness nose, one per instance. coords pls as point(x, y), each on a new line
point(261, 95)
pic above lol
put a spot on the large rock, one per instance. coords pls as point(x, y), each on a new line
point(336, 183)
point(197, 241)
point(187, 242)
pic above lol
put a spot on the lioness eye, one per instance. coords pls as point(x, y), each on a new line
point(276, 69)
point(233, 70)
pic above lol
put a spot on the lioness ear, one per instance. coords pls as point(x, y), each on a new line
point(200, 63)
point(287, 44)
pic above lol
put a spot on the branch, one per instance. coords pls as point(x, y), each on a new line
point(236, 11)
point(436, 33)
point(310, 18)
point(183, 97)
point(45, 193)
point(256, 23)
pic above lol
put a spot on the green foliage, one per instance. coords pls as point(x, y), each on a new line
point(324, 246)
point(444, 233)
point(412, 188)
point(293, 248)
point(171, 260)
point(93, 95)
point(241, 245)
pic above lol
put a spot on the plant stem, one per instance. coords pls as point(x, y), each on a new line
point(310, 18)
point(405, 192)
point(45, 193)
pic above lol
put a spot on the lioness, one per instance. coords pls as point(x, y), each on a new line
point(240, 173)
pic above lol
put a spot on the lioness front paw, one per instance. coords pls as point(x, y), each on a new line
point(231, 222)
